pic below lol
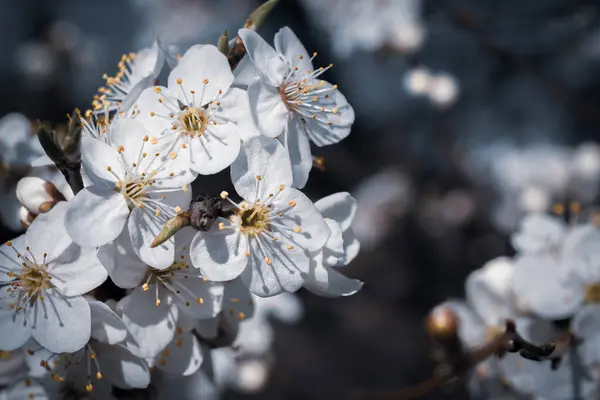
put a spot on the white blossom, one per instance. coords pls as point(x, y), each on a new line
point(46, 274)
point(137, 71)
point(287, 97)
point(134, 185)
point(267, 239)
point(197, 115)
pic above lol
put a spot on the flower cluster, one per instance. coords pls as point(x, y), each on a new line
point(193, 292)
point(549, 291)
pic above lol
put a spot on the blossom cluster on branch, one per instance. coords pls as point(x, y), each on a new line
point(193, 269)
point(529, 326)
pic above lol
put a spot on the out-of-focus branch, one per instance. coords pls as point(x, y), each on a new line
point(455, 362)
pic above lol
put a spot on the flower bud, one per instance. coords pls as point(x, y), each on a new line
point(25, 217)
point(442, 323)
point(37, 195)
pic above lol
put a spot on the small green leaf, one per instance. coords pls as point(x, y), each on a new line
point(223, 43)
point(259, 15)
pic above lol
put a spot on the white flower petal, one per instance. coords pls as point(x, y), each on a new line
point(182, 357)
point(268, 63)
point(333, 250)
point(150, 326)
point(273, 268)
point(47, 233)
point(538, 233)
point(327, 282)
point(199, 63)
point(143, 227)
point(340, 207)
point(488, 291)
point(26, 389)
point(77, 271)
point(586, 326)
point(537, 288)
point(14, 330)
point(128, 134)
point(244, 73)
point(330, 127)
point(216, 149)
point(267, 107)
point(147, 103)
point(351, 248)
point(121, 367)
point(96, 216)
point(265, 158)
point(219, 253)
point(235, 107)
point(314, 232)
point(206, 300)
point(62, 325)
point(298, 147)
point(238, 303)
point(122, 263)
point(289, 46)
point(97, 156)
point(107, 327)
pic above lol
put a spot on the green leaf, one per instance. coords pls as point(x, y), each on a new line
point(259, 15)
point(223, 43)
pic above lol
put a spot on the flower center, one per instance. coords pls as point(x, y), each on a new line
point(134, 190)
point(193, 120)
point(592, 293)
point(254, 220)
point(32, 281)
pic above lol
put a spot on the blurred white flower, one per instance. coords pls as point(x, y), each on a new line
point(45, 276)
point(376, 215)
point(369, 24)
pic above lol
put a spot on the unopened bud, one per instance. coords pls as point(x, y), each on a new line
point(442, 323)
point(38, 195)
point(25, 217)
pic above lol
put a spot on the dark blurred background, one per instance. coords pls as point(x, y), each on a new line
point(469, 114)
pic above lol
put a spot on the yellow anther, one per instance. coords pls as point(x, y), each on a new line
point(205, 81)
point(120, 149)
point(258, 177)
point(200, 300)
point(290, 247)
point(221, 225)
point(292, 203)
point(241, 315)
point(281, 187)
point(98, 375)
point(154, 140)
point(179, 343)
point(173, 155)
point(268, 260)
point(177, 209)
point(224, 195)
point(297, 229)
point(179, 81)
point(152, 114)
point(157, 302)
point(247, 253)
